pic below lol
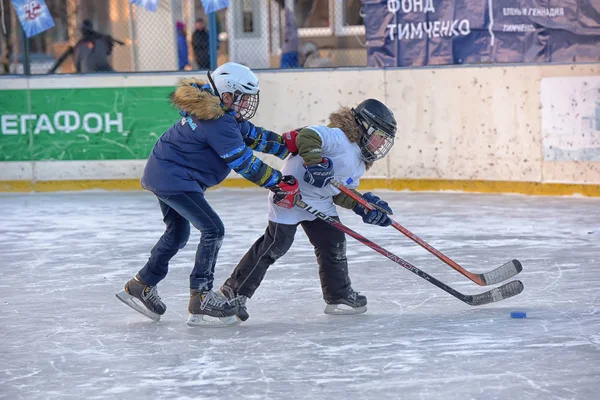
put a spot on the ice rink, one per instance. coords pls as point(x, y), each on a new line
point(64, 335)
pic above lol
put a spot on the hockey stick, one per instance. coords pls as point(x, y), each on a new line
point(505, 291)
point(497, 275)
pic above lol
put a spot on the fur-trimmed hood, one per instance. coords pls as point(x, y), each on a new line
point(344, 120)
point(200, 103)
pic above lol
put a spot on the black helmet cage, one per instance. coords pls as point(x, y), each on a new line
point(372, 126)
point(249, 111)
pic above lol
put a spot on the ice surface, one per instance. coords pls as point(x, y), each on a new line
point(64, 335)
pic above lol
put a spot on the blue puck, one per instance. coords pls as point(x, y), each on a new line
point(518, 314)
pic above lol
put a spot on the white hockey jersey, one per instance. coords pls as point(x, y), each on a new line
point(348, 168)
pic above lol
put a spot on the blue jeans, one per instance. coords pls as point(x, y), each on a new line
point(178, 212)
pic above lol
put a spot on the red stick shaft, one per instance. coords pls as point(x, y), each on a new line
point(357, 197)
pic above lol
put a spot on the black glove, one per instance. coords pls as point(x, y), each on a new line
point(374, 217)
point(286, 192)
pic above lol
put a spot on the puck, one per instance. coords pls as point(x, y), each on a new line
point(518, 314)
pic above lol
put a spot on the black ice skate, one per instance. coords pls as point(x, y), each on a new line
point(142, 298)
point(351, 303)
point(238, 301)
point(210, 309)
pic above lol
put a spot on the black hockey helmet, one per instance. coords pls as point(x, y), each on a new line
point(379, 126)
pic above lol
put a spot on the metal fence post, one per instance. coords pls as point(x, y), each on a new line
point(213, 37)
point(26, 54)
point(132, 35)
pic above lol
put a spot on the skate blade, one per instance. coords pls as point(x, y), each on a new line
point(134, 303)
point(342, 309)
point(206, 321)
point(243, 317)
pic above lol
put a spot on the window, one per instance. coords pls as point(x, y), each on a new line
point(349, 18)
point(351, 12)
point(328, 17)
point(247, 16)
point(314, 17)
point(312, 13)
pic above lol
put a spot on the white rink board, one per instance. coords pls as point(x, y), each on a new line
point(571, 118)
point(455, 123)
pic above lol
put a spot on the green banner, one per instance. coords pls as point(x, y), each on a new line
point(83, 124)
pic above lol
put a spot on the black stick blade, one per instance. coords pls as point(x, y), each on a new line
point(505, 291)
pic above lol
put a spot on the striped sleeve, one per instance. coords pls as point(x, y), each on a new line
point(243, 161)
point(263, 140)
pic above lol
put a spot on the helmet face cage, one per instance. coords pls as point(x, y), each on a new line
point(376, 142)
point(245, 105)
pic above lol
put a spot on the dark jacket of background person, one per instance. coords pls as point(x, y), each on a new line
point(92, 51)
point(200, 44)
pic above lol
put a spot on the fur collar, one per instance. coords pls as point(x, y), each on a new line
point(201, 104)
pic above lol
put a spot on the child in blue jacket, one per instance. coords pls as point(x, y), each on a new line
point(196, 153)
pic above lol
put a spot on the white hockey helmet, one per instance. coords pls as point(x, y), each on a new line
point(242, 83)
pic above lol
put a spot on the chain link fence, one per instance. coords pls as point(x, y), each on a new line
point(257, 33)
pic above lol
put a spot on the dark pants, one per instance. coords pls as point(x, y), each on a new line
point(178, 211)
point(330, 249)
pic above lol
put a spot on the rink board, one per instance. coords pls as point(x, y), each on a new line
point(473, 186)
point(459, 127)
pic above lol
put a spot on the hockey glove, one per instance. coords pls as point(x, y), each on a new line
point(320, 174)
point(290, 141)
point(286, 192)
point(374, 217)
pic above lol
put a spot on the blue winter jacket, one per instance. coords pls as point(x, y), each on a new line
point(200, 150)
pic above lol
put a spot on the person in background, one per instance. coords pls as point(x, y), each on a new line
point(182, 46)
point(289, 48)
point(92, 51)
point(200, 43)
point(310, 57)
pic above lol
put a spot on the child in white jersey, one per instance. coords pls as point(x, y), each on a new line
point(342, 150)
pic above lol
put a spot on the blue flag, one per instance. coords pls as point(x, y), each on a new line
point(34, 16)
point(211, 6)
point(149, 5)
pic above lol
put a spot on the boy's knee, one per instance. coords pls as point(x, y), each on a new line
point(179, 236)
point(183, 238)
point(216, 231)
